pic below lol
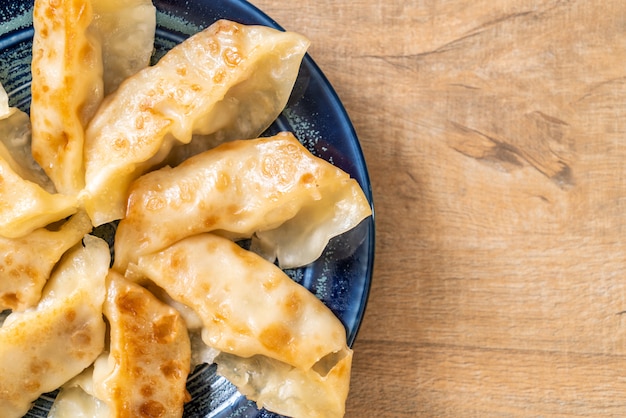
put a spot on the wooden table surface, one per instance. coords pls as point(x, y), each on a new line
point(495, 136)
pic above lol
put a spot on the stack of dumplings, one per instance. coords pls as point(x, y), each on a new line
point(171, 152)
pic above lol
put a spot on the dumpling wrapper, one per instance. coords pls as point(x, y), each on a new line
point(289, 391)
point(66, 88)
point(26, 206)
point(248, 306)
point(27, 197)
point(26, 262)
point(42, 348)
point(125, 29)
point(229, 80)
point(145, 374)
point(76, 398)
point(272, 188)
point(15, 135)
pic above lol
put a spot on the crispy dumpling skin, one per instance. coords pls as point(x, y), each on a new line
point(146, 371)
point(286, 390)
point(26, 262)
point(222, 81)
point(66, 88)
point(272, 188)
point(248, 306)
point(44, 347)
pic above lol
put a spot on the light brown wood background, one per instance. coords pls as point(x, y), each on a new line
point(495, 135)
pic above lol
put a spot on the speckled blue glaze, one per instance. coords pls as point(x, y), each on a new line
point(341, 277)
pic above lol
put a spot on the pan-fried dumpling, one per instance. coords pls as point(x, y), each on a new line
point(147, 368)
point(26, 206)
point(287, 390)
point(66, 88)
point(248, 306)
point(26, 262)
point(42, 348)
point(271, 187)
point(229, 80)
point(279, 344)
point(125, 29)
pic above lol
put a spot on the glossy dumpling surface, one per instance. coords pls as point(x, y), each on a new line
point(42, 348)
point(272, 188)
point(221, 81)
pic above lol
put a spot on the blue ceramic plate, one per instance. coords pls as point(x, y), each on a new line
point(341, 277)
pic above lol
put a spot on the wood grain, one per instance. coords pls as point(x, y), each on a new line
point(495, 136)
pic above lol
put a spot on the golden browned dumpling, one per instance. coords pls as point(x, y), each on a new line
point(248, 305)
point(146, 370)
point(280, 345)
point(229, 80)
point(44, 347)
point(272, 188)
point(66, 88)
point(26, 262)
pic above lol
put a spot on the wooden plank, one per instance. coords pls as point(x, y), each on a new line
point(495, 135)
